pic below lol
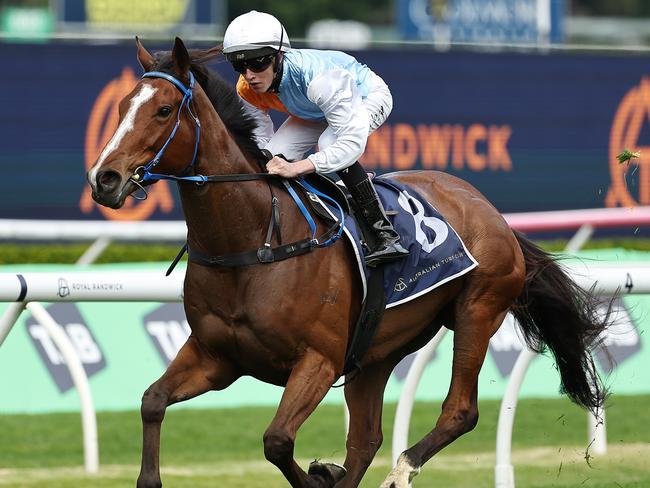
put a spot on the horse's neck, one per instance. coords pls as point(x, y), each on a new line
point(223, 218)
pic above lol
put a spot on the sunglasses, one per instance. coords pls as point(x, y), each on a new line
point(256, 65)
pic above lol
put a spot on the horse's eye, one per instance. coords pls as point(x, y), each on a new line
point(164, 111)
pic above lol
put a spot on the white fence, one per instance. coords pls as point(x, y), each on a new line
point(29, 288)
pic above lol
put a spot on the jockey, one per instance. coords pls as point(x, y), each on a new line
point(332, 100)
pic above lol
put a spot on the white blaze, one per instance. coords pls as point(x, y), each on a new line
point(146, 93)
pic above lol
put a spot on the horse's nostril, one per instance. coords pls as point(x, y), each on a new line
point(108, 181)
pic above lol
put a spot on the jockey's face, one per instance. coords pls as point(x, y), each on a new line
point(260, 82)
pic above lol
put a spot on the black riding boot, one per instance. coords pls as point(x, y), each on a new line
point(386, 247)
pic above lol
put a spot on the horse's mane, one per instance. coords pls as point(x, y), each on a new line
point(223, 96)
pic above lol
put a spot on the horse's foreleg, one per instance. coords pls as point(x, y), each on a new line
point(460, 409)
point(364, 396)
point(308, 383)
point(190, 374)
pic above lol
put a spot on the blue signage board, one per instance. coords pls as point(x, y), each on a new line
point(531, 131)
point(482, 21)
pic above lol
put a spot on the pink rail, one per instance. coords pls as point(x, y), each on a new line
point(574, 219)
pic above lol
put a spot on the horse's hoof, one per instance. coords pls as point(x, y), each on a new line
point(331, 472)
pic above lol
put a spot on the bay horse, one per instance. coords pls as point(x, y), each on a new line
point(278, 322)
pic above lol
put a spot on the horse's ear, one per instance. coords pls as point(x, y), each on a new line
point(144, 57)
point(181, 57)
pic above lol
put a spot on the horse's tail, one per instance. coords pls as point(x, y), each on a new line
point(554, 312)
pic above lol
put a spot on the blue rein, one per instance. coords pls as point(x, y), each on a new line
point(187, 92)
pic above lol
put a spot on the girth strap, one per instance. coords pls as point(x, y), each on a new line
point(266, 254)
point(261, 255)
point(372, 311)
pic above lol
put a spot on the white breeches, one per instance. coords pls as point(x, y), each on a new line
point(295, 137)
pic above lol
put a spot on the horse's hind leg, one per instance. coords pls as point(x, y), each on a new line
point(364, 396)
point(473, 329)
point(190, 374)
point(308, 383)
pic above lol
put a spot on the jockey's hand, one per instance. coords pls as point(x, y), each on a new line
point(281, 167)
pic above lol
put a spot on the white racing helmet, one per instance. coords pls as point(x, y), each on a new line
point(254, 34)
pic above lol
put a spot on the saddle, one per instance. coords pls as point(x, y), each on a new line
point(329, 187)
point(342, 196)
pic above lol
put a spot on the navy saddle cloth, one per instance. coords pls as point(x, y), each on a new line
point(436, 252)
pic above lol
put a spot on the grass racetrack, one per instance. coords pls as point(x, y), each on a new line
point(207, 448)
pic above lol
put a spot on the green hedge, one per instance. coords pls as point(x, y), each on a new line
point(70, 253)
point(126, 253)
